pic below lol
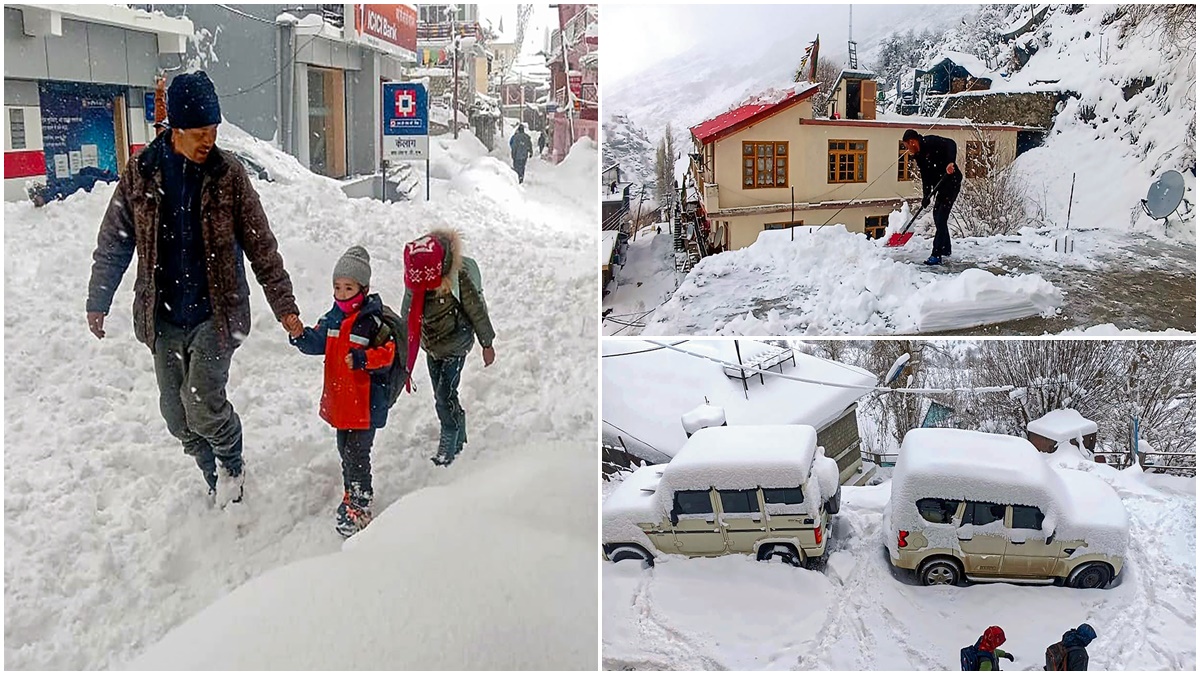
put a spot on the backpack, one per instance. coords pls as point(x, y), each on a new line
point(969, 657)
point(1056, 656)
point(392, 328)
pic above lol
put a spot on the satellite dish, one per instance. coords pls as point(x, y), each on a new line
point(1165, 195)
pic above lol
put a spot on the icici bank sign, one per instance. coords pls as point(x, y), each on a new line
point(391, 28)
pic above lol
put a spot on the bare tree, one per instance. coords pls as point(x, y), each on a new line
point(994, 199)
point(827, 73)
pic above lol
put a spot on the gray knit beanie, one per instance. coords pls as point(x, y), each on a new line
point(354, 264)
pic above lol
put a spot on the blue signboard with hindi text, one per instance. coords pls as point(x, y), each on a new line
point(405, 121)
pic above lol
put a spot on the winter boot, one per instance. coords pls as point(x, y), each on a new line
point(354, 513)
point(229, 488)
point(934, 260)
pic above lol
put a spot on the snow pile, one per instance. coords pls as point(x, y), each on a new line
point(1093, 512)
point(110, 541)
point(1063, 426)
point(1110, 330)
point(898, 219)
point(647, 389)
point(702, 417)
point(633, 501)
point(516, 599)
point(772, 95)
point(812, 290)
point(645, 281)
point(741, 458)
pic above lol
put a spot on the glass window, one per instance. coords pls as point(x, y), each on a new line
point(693, 502)
point(937, 510)
point(983, 513)
point(739, 501)
point(1027, 518)
point(783, 495)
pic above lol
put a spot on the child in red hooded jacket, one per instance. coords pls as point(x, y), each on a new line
point(355, 397)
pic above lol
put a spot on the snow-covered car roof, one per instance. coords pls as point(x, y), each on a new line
point(1063, 425)
point(1093, 511)
point(742, 458)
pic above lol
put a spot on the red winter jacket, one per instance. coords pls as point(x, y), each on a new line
point(353, 398)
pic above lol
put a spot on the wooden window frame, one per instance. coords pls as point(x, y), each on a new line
point(977, 162)
point(779, 163)
point(904, 166)
point(783, 226)
point(836, 156)
point(880, 227)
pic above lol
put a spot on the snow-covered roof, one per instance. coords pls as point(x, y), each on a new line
point(761, 106)
point(973, 64)
point(1063, 425)
point(957, 454)
point(608, 240)
point(647, 389)
point(702, 417)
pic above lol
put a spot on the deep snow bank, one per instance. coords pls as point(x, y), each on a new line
point(492, 571)
point(830, 281)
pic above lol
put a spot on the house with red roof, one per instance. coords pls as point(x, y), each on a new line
point(770, 164)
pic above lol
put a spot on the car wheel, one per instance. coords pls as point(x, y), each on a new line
point(939, 572)
point(1092, 575)
point(780, 553)
point(631, 553)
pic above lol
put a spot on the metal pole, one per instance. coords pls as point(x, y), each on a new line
point(426, 179)
point(745, 387)
point(792, 222)
point(1069, 200)
point(454, 40)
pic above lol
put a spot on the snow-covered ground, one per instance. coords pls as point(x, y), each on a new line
point(110, 542)
point(781, 286)
point(643, 283)
point(736, 613)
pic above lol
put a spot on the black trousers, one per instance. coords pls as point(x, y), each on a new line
point(354, 445)
point(947, 194)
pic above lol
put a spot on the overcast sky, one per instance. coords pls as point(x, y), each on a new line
point(633, 37)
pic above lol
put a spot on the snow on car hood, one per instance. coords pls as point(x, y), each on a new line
point(1092, 511)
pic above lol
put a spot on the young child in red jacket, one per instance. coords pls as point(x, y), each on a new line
point(355, 397)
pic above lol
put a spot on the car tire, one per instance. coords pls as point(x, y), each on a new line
point(1091, 575)
point(780, 552)
point(629, 552)
point(940, 572)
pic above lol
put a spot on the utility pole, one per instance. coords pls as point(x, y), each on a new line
point(453, 10)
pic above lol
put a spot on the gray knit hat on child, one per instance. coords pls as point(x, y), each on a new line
point(354, 264)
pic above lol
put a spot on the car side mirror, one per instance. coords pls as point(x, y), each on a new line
point(674, 517)
point(1050, 539)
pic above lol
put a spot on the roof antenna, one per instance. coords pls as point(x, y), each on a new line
point(852, 44)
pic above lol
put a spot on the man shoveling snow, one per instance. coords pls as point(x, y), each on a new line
point(937, 157)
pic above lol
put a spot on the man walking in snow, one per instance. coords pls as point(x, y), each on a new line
point(1071, 652)
point(542, 143)
point(937, 158)
point(521, 147)
point(188, 210)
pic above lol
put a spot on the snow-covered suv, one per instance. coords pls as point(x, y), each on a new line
point(986, 507)
point(761, 490)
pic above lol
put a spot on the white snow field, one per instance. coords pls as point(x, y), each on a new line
point(110, 542)
point(830, 281)
point(736, 613)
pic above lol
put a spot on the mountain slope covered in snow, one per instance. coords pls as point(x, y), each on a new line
point(110, 541)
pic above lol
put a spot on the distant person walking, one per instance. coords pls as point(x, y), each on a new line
point(985, 654)
point(937, 158)
point(542, 143)
point(1071, 652)
point(522, 147)
point(189, 211)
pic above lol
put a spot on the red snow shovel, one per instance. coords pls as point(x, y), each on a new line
point(901, 238)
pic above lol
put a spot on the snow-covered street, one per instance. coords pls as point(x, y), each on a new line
point(643, 283)
point(110, 541)
point(735, 613)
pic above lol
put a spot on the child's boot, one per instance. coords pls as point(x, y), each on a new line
point(354, 513)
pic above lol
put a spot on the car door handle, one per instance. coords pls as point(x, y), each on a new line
point(1018, 543)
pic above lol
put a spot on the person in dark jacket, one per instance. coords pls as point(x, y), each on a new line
point(188, 210)
point(355, 397)
point(1075, 643)
point(445, 312)
point(542, 143)
point(521, 147)
point(937, 158)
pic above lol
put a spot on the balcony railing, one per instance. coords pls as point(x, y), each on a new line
point(443, 30)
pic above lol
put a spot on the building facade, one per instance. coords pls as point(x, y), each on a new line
point(76, 78)
point(574, 79)
point(772, 166)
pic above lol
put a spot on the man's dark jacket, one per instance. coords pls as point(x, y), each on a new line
point(232, 222)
